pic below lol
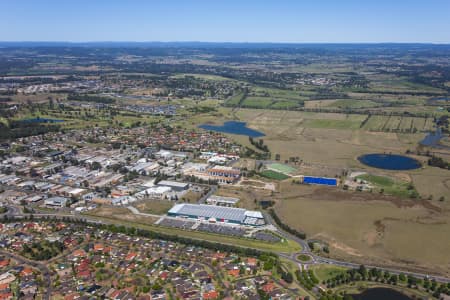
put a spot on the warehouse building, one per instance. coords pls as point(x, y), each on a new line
point(215, 214)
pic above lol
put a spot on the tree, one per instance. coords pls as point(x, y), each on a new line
point(96, 166)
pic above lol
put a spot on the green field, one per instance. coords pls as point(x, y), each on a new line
point(304, 257)
point(398, 124)
point(274, 175)
point(389, 185)
point(325, 272)
point(353, 103)
point(333, 124)
point(281, 168)
point(257, 102)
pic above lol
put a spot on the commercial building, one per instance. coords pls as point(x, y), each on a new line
point(58, 202)
point(217, 214)
point(224, 174)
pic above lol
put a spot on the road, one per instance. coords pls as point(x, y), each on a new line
point(212, 190)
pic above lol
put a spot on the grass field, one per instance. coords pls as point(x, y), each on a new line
point(353, 103)
point(304, 257)
point(157, 207)
point(274, 175)
point(351, 123)
point(402, 124)
point(257, 102)
point(325, 272)
point(281, 168)
point(389, 185)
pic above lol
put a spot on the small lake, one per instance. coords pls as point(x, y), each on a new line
point(42, 120)
point(233, 127)
point(389, 161)
point(381, 293)
point(432, 139)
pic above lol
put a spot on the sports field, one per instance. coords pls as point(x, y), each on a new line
point(274, 175)
point(281, 168)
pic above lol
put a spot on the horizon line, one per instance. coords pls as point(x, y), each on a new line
point(226, 42)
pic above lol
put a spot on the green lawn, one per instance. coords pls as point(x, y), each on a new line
point(274, 175)
point(325, 272)
point(281, 168)
point(304, 257)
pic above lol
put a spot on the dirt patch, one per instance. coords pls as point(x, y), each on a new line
point(253, 183)
point(338, 245)
point(379, 227)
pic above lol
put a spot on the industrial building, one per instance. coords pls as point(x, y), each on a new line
point(217, 214)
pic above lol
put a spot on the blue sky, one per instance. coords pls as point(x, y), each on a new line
point(226, 21)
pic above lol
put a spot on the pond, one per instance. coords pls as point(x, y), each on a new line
point(389, 161)
point(432, 139)
point(41, 120)
point(380, 293)
point(233, 127)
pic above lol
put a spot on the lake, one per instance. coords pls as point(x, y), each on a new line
point(380, 293)
point(233, 127)
point(42, 120)
point(389, 161)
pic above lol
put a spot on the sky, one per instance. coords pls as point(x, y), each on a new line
point(292, 21)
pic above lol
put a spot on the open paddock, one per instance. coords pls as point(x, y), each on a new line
point(370, 228)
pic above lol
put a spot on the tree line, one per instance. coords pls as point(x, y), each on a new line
point(287, 228)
